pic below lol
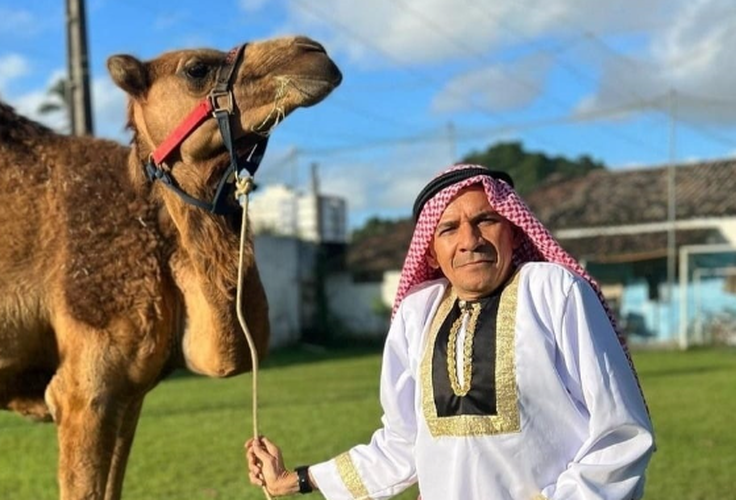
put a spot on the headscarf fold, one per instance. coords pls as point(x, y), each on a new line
point(536, 244)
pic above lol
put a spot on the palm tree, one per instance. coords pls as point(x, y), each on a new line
point(58, 100)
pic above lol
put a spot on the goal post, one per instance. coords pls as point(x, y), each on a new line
point(694, 268)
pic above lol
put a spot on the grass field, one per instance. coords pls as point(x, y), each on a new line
point(315, 405)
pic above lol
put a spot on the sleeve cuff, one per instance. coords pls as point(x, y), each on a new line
point(338, 479)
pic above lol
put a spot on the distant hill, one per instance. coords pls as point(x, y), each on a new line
point(531, 169)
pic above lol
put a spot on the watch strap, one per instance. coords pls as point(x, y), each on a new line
point(302, 472)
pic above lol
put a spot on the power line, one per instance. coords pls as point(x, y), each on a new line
point(710, 100)
point(515, 32)
point(479, 55)
point(484, 132)
point(639, 69)
point(323, 16)
point(349, 106)
point(578, 74)
point(665, 110)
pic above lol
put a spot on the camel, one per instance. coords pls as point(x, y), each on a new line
point(109, 281)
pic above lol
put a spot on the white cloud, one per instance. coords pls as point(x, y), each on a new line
point(427, 31)
point(497, 87)
point(109, 103)
point(12, 66)
point(691, 60)
point(28, 104)
point(406, 34)
point(387, 186)
point(688, 47)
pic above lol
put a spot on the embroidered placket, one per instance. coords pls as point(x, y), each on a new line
point(460, 360)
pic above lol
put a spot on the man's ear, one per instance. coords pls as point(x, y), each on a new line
point(432, 259)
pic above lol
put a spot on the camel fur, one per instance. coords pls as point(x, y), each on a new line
point(108, 282)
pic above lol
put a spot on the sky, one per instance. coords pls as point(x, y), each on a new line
point(629, 83)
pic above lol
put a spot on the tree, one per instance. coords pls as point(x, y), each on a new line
point(58, 100)
point(374, 226)
point(529, 169)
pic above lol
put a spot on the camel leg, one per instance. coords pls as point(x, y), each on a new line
point(123, 444)
point(83, 402)
point(86, 435)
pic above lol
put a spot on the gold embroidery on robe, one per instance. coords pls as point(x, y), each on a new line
point(506, 419)
point(350, 477)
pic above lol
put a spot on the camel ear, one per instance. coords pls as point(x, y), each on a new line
point(129, 74)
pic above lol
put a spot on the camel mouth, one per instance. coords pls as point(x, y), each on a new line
point(315, 78)
point(313, 90)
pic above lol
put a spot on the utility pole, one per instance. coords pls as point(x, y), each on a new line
point(80, 102)
point(314, 170)
point(452, 140)
point(292, 159)
point(672, 212)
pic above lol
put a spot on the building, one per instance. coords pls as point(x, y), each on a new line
point(616, 222)
point(299, 239)
point(273, 210)
point(279, 210)
point(322, 219)
point(665, 278)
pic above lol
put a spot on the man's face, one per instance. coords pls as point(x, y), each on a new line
point(473, 245)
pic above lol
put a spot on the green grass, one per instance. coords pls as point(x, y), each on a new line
point(315, 405)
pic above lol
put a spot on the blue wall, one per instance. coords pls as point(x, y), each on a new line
point(659, 321)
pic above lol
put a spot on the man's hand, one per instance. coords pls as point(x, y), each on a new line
point(266, 468)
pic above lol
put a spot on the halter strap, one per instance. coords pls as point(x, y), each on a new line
point(219, 99)
point(219, 104)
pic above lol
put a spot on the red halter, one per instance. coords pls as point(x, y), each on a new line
point(217, 104)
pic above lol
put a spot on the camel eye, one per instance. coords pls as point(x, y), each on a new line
point(197, 71)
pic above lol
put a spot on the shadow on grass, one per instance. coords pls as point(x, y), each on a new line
point(308, 353)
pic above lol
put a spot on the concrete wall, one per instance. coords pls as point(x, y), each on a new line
point(357, 305)
point(287, 269)
point(728, 229)
point(389, 286)
point(278, 260)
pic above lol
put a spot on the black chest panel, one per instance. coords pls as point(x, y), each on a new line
point(481, 398)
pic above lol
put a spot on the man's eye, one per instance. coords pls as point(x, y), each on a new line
point(198, 70)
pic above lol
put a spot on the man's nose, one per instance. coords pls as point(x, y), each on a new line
point(469, 237)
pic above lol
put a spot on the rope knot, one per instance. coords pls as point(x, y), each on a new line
point(243, 187)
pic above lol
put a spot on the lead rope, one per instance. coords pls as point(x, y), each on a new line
point(243, 187)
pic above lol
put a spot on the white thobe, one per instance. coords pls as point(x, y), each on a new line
point(570, 420)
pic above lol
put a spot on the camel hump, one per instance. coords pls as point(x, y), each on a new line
point(16, 129)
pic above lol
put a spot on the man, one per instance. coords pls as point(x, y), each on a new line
point(502, 378)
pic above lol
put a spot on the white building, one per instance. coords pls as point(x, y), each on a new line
point(279, 210)
point(273, 210)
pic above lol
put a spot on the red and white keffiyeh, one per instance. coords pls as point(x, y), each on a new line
point(537, 245)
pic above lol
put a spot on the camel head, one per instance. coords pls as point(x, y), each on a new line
point(269, 81)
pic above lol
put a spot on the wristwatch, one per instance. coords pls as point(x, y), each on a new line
point(302, 472)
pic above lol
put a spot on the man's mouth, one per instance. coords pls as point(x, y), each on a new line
point(474, 262)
